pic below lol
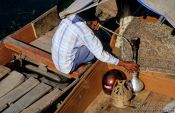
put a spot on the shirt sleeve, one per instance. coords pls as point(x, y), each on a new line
point(95, 46)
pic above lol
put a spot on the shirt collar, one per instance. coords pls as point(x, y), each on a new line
point(76, 18)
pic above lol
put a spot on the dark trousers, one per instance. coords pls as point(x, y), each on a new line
point(82, 56)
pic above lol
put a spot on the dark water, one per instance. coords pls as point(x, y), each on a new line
point(16, 13)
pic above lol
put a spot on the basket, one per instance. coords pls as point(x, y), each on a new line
point(121, 94)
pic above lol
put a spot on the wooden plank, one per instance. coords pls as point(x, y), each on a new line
point(3, 71)
point(44, 102)
point(54, 84)
point(28, 99)
point(19, 91)
point(44, 73)
point(44, 42)
point(11, 81)
point(25, 34)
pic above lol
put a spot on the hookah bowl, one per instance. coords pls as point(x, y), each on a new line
point(137, 84)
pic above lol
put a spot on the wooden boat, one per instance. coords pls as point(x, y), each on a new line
point(30, 47)
point(29, 81)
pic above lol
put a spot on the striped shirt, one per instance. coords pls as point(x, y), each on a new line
point(71, 34)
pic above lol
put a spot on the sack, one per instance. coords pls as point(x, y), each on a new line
point(121, 94)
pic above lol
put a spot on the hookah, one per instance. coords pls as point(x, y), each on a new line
point(137, 84)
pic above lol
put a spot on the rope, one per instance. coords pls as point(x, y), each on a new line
point(115, 34)
point(127, 40)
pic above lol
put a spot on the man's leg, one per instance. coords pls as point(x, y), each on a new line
point(82, 56)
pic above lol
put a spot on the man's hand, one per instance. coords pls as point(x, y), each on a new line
point(95, 25)
point(129, 65)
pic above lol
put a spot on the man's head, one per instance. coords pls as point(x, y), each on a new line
point(88, 15)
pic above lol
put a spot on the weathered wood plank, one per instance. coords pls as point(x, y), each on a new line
point(11, 81)
point(45, 41)
point(28, 99)
point(17, 92)
point(54, 84)
point(44, 73)
point(3, 71)
point(43, 44)
point(44, 102)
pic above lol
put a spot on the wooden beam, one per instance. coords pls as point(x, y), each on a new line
point(29, 51)
point(35, 54)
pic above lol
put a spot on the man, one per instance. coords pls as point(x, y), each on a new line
point(74, 42)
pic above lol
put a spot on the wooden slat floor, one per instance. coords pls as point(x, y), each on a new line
point(44, 42)
point(26, 93)
point(144, 102)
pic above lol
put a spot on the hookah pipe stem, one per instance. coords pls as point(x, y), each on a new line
point(135, 47)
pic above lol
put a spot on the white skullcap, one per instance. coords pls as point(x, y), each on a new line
point(78, 6)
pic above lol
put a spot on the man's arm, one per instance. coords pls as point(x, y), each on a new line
point(95, 46)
